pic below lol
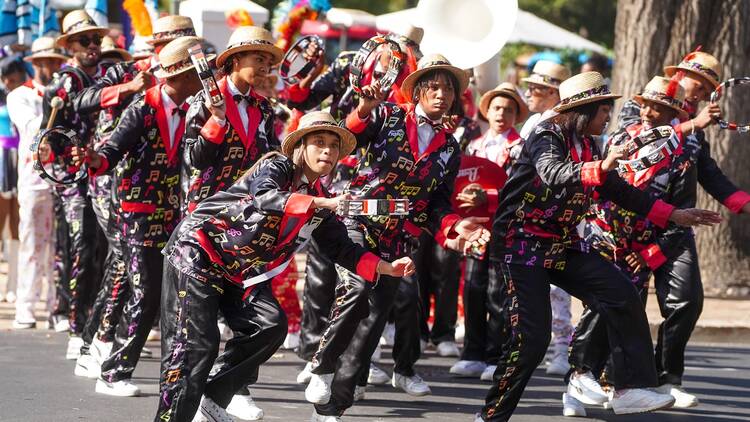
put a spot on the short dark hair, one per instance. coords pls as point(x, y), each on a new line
point(457, 108)
point(577, 119)
point(9, 67)
point(598, 62)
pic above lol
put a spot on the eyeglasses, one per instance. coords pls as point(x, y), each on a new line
point(86, 41)
point(537, 89)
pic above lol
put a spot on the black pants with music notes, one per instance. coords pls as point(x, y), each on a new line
point(192, 368)
point(439, 272)
point(143, 266)
point(601, 286)
point(319, 293)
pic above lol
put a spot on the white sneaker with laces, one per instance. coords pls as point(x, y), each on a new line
point(359, 392)
point(388, 336)
point(584, 388)
point(682, 399)
point(572, 407)
point(376, 354)
point(243, 407)
point(291, 341)
point(640, 400)
point(413, 385)
point(74, 348)
point(323, 418)
point(558, 365)
point(122, 388)
point(468, 368)
point(447, 349)
point(100, 350)
point(305, 374)
point(377, 376)
point(213, 412)
point(21, 325)
point(488, 373)
point(318, 391)
point(87, 367)
point(146, 353)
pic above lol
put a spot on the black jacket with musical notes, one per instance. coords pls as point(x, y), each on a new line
point(392, 168)
point(551, 188)
point(148, 171)
point(256, 225)
point(220, 155)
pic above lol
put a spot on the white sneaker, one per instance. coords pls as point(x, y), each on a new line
point(359, 392)
point(488, 373)
point(305, 374)
point(468, 368)
point(11, 297)
point(447, 349)
point(87, 367)
point(244, 408)
point(584, 388)
point(389, 334)
point(213, 412)
point(377, 376)
point(100, 350)
point(610, 394)
point(19, 325)
point(640, 400)
point(682, 399)
point(146, 353)
point(323, 418)
point(572, 407)
point(318, 391)
point(291, 341)
point(558, 365)
point(60, 324)
point(122, 388)
point(154, 335)
point(74, 348)
point(413, 386)
point(376, 354)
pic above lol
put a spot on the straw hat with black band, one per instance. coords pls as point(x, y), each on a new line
point(110, 48)
point(505, 89)
point(583, 88)
point(45, 48)
point(314, 122)
point(547, 73)
point(168, 28)
point(78, 22)
point(701, 64)
point(250, 38)
point(666, 92)
point(174, 58)
point(432, 63)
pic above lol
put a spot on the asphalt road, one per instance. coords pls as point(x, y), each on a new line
point(37, 385)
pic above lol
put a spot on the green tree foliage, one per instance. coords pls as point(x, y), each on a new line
point(593, 19)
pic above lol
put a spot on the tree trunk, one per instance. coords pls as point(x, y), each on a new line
point(650, 34)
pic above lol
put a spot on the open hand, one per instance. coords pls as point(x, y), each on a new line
point(695, 217)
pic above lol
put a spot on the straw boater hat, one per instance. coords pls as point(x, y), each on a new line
point(78, 22)
point(174, 58)
point(505, 89)
point(317, 121)
point(250, 38)
point(431, 63)
point(109, 47)
point(701, 64)
point(583, 88)
point(44, 48)
point(170, 27)
point(664, 91)
point(547, 73)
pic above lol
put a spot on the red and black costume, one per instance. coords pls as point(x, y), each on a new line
point(222, 258)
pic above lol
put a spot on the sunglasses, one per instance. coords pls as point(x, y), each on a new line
point(86, 41)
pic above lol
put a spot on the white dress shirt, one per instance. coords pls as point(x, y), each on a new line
point(242, 105)
point(173, 119)
point(425, 131)
point(25, 111)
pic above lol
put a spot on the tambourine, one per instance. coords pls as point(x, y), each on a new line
point(648, 137)
point(716, 95)
point(54, 160)
point(372, 207)
point(356, 69)
point(295, 66)
point(662, 147)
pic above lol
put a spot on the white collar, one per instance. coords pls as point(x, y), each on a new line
point(498, 137)
point(234, 90)
point(420, 112)
point(167, 101)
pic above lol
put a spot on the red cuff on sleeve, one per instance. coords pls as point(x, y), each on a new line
point(653, 256)
point(367, 267)
point(493, 200)
point(297, 94)
point(446, 229)
point(660, 213)
point(298, 204)
point(110, 96)
point(736, 201)
point(354, 123)
point(101, 170)
point(213, 132)
point(592, 174)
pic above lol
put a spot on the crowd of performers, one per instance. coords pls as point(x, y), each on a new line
point(192, 211)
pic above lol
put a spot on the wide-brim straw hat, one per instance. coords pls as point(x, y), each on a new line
point(505, 89)
point(432, 63)
point(317, 121)
point(45, 48)
point(78, 22)
point(701, 64)
point(547, 73)
point(109, 47)
point(250, 38)
point(583, 88)
point(174, 58)
point(168, 28)
point(666, 92)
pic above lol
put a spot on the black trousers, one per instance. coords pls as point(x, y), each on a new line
point(601, 286)
point(485, 327)
point(439, 272)
point(358, 316)
point(61, 272)
point(318, 296)
point(144, 270)
point(260, 327)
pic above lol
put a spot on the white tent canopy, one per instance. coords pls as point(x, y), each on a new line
point(210, 20)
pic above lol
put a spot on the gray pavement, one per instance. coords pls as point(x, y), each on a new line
point(37, 385)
